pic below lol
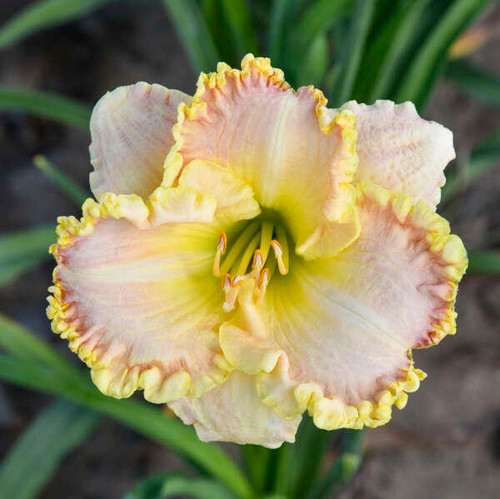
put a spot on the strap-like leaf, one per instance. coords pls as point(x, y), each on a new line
point(46, 105)
point(482, 158)
point(240, 21)
point(484, 263)
point(145, 419)
point(20, 251)
point(65, 184)
point(176, 484)
point(428, 62)
point(193, 32)
point(44, 14)
point(35, 457)
point(361, 19)
point(478, 82)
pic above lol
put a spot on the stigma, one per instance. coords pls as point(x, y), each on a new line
point(254, 256)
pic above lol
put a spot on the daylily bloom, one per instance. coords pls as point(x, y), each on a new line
point(254, 254)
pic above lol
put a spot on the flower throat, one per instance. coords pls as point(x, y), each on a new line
point(249, 258)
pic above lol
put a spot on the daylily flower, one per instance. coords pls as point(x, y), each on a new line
point(254, 254)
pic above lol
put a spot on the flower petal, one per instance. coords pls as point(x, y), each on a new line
point(131, 136)
point(400, 151)
point(233, 412)
point(137, 300)
point(342, 329)
point(298, 159)
point(235, 199)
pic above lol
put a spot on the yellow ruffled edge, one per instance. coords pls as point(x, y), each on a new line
point(339, 206)
point(274, 385)
point(122, 380)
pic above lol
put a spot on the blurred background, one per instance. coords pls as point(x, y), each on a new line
point(446, 443)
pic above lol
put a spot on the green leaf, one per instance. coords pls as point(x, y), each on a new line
point(482, 158)
point(385, 52)
point(176, 484)
point(44, 14)
point(319, 17)
point(194, 34)
point(282, 13)
point(20, 251)
point(316, 63)
point(37, 454)
point(429, 61)
point(46, 105)
point(239, 17)
point(482, 84)
point(145, 419)
point(484, 262)
point(344, 467)
point(22, 343)
point(65, 184)
point(257, 461)
point(361, 19)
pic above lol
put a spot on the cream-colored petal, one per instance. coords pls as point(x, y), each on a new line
point(342, 329)
point(233, 412)
point(137, 301)
point(235, 199)
point(298, 159)
point(400, 151)
point(131, 130)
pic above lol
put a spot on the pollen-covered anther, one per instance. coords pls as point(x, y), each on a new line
point(279, 253)
point(261, 286)
point(221, 249)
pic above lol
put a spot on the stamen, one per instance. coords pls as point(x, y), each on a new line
point(261, 287)
point(239, 245)
point(247, 256)
point(282, 237)
point(278, 253)
point(258, 260)
point(266, 234)
point(221, 249)
point(226, 282)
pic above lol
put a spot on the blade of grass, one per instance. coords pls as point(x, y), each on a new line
point(362, 15)
point(343, 468)
point(46, 105)
point(240, 20)
point(483, 262)
point(20, 251)
point(44, 14)
point(319, 17)
point(282, 13)
point(482, 159)
point(481, 84)
point(144, 419)
point(65, 184)
point(22, 343)
point(428, 62)
point(176, 484)
point(36, 456)
point(193, 33)
point(393, 43)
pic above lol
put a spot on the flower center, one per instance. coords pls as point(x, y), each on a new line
point(249, 258)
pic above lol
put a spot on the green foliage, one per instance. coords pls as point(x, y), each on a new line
point(33, 364)
point(37, 454)
point(192, 29)
point(42, 15)
point(65, 184)
point(46, 105)
point(21, 251)
point(176, 484)
point(482, 158)
point(428, 62)
point(482, 84)
point(484, 263)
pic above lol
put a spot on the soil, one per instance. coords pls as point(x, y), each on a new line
point(445, 444)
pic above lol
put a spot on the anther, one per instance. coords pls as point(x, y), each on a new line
point(278, 253)
point(226, 282)
point(262, 283)
point(258, 260)
point(221, 249)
